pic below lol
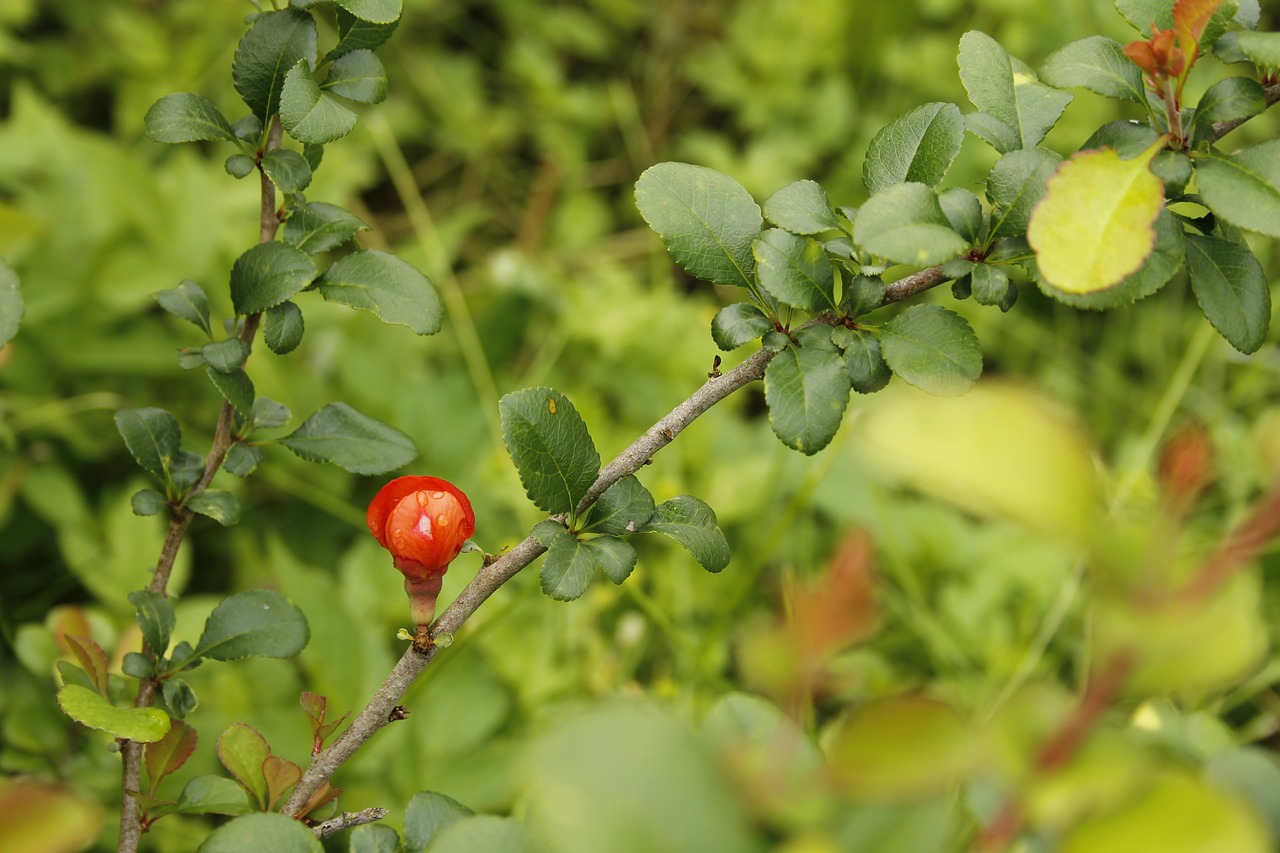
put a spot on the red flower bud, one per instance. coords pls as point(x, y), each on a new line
point(423, 522)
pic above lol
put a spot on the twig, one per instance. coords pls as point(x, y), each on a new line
point(347, 820)
point(1222, 128)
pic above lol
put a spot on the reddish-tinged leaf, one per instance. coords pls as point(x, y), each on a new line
point(839, 609)
point(170, 752)
point(92, 658)
point(281, 775)
point(1190, 17)
point(244, 752)
point(314, 705)
point(326, 794)
point(65, 620)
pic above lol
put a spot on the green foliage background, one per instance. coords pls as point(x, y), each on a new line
point(502, 164)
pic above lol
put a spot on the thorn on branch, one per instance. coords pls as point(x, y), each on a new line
point(397, 714)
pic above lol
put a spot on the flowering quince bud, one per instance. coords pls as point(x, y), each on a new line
point(423, 522)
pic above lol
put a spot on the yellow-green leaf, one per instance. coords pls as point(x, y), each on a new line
point(1095, 224)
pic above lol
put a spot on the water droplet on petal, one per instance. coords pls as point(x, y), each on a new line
point(437, 496)
point(442, 520)
point(444, 639)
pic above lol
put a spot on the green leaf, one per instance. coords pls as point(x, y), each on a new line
point(1166, 258)
point(225, 356)
point(864, 294)
point(282, 327)
point(342, 436)
point(1227, 100)
point(868, 371)
point(905, 223)
point(236, 388)
point(358, 76)
point(569, 564)
point(307, 113)
point(616, 557)
point(288, 170)
point(213, 795)
point(248, 129)
point(1262, 49)
point(918, 147)
point(239, 166)
point(89, 708)
point(1015, 186)
point(623, 508)
point(489, 833)
point(179, 697)
point(1007, 89)
point(426, 815)
point(148, 502)
point(184, 117)
point(154, 613)
point(268, 274)
point(275, 43)
point(168, 754)
point(1232, 289)
point(795, 270)
point(357, 34)
point(94, 660)
point(374, 838)
point(11, 307)
point(242, 459)
point(693, 524)
point(268, 413)
point(993, 131)
point(153, 438)
point(243, 751)
point(136, 665)
point(218, 504)
point(373, 11)
point(807, 391)
point(1098, 64)
point(318, 227)
point(933, 349)
point(550, 446)
point(963, 212)
point(1244, 188)
point(385, 286)
point(1094, 225)
point(735, 325)
point(187, 301)
point(257, 622)
point(706, 219)
point(990, 285)
point(801, 208)
point(262, 831)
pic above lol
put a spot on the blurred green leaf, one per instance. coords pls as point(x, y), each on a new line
point(1015, 185)
point(10, 303)
point(287, 170)
point(693, 524)
point(154, 614)
point(268, 274)
point(1006, 89)
point(1231, 288)
point(265, 831)
point(801, 208)
point(706, 219)
point(257, 622)
point(933, 349)
point(374, 838)
point(1262, 49)
point(374, 11)
point(1098, 64)
point(40, 816)
point(736, 324)
point(550, 446)
point(905, 223)
point(148, 502)
point(918, 147)
point(1244, 188)
point(318, 227)
point(218, 504)
point(187, 301)
point(274, 44)
point(795, 270)
point(358, 76)
point(282, 327)
point(427, 813)
point(89, 708)
point(481, 832)
point(184, 117)
point(385, 286)
point(153, 438)
point(307, 113)
point(807, 390)
point(342, 436)
point(624, 507)
point(615, 557)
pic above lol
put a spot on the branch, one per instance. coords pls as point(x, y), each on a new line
point(1222, 128)
point(377, 713)
point(347, 820)
point(179, 521)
